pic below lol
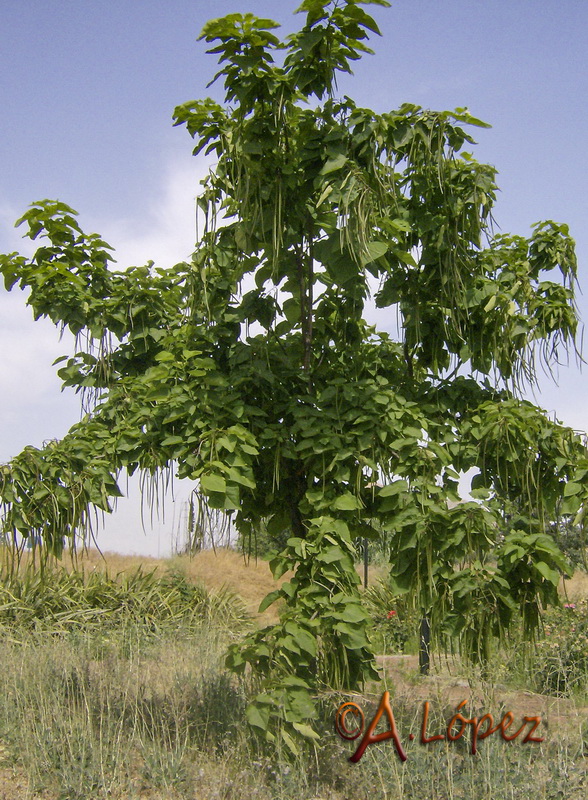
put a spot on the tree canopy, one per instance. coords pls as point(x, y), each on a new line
point(251, 368)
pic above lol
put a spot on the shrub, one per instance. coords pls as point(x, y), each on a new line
point(394, 624)
point(562, 655)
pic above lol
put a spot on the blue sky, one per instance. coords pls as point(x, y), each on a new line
point(87, 93)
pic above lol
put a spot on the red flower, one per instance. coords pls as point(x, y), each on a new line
point(391, 614)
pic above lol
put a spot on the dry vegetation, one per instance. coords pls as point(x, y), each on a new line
point(576, 587)
point(129, 712)
point(215, 569)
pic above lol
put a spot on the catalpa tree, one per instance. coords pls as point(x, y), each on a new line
point(250, 367)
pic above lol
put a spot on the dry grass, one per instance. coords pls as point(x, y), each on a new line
point(127, 721)
point(249, 578)
point(14, 784)
point(576, 588)
point(94, 559)
point(113, 714)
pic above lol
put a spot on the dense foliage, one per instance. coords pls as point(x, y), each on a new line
point(250, 367)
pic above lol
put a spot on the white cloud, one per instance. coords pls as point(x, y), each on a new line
point(32, 406)
point(168, 235)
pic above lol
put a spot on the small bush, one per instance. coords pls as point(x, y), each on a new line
point(562, 655)
point(394, 624)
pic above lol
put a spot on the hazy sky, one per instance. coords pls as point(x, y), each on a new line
point(87, 93)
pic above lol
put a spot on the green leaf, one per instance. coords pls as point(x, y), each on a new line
point(346, 502)
point(213, 483)
point(238, 477)
point(305, 640)
point(165, 355)
point(491, 303)
point(257, 717)
point(547, 572)
point(393, 488)
point(405, 258)
point(373, 251)
point(353, 613)
point(352, 636)
point(268, 600)
point(169, 440)
point(160, 392)
point(306, 731)
point(334, 164)
point(289, 742)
